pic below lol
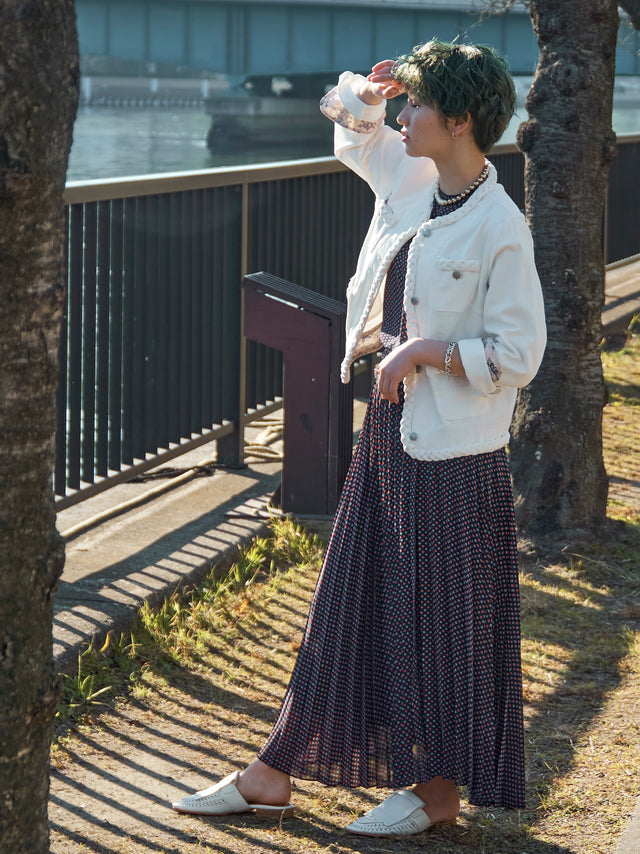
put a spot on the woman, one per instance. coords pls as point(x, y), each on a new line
point(409, 673)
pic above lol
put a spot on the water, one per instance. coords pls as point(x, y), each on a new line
point(114, 142)
point(111, 142)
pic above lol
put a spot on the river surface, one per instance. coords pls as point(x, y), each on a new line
point(112, 142)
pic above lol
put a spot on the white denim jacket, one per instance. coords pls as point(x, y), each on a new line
point(471, 278)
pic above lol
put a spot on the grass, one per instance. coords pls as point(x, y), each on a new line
point(620, 429)
point(175, 632)
point(222, 656)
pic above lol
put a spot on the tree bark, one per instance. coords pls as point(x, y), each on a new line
point(556, 455)
point(38, 99)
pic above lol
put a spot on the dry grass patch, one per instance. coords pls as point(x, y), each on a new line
point(621, 428)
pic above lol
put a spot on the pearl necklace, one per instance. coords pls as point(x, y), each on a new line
point(453, 199)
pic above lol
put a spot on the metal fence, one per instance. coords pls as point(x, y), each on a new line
point(151, 359)
point(622, 213)
point(152, 362)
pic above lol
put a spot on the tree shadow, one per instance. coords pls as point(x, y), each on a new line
point(629, 392)
point(594, 635)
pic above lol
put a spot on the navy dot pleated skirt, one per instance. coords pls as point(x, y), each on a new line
point(410, 662)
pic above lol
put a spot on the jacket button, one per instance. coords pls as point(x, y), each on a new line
point(427, 232)
point(414, 300)
point(456, 274)
point(413, 437)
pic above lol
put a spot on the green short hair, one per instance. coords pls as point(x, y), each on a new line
point(460, 80)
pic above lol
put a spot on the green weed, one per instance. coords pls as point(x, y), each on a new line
point(81, 692)
point(175, 631)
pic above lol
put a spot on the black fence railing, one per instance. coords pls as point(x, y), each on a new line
point(152, 362)
point(622, 214)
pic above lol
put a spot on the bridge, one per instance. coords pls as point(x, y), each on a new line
point(242, 39)
point(245, 39)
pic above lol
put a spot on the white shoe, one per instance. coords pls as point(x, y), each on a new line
point(401, 814)
point(224, 799)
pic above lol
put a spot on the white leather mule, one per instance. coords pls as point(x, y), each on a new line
point(223, 798)
point(401, 814)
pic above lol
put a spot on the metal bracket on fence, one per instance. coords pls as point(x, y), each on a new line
point(318, 408)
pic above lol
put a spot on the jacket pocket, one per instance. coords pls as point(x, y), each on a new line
point(455, 284)
point(455, 398)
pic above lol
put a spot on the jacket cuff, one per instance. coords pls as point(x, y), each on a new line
point(347, 84)
point(344, 107)
point(474, 361)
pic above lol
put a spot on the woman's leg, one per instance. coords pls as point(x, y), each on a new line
point(261, 784)
point(440, 799)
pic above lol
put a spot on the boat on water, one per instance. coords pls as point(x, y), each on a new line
point(245, 120)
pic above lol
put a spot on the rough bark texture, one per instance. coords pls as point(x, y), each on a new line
point(556, 455)
point(38, 98)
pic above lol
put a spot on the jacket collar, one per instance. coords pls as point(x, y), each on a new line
point(448, 219)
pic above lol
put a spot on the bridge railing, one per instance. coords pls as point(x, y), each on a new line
point(151, 360)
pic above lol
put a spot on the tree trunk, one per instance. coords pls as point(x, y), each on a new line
point(556, 454)
point(38, 100)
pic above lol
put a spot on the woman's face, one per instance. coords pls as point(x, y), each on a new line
point(424, 131)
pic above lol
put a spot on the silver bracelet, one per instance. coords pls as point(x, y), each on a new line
point(448, 356)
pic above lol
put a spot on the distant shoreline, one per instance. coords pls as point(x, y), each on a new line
point(136, 138)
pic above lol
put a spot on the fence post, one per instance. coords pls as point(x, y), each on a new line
point(231, 447)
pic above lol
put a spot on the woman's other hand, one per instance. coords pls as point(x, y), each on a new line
point(402, 361)
point(395, 366)
point(380, 84)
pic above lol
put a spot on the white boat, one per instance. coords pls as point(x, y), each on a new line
point(243, 120)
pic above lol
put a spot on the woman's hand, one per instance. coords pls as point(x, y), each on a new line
point(402, 361)
point(380, 84)
point(382, 76)
point(395, 366)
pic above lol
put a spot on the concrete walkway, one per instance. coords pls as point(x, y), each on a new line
point(146, 553)
point(630, 841)
point(622, 295)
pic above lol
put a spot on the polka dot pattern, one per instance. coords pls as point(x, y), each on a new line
point(410, 663)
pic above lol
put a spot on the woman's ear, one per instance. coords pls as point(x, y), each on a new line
point(460, 125)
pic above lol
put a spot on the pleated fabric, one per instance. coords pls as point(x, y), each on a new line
point(410, 662)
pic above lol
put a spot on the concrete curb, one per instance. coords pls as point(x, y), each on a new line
point(630, 840)
point(145, 555)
